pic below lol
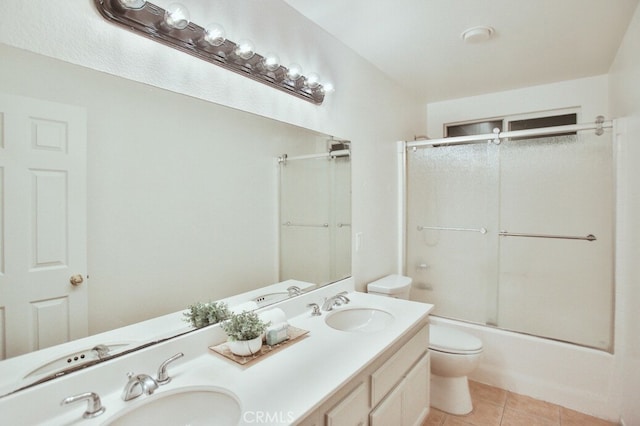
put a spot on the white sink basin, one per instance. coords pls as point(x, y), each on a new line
point(364, 320)
point(185, 406)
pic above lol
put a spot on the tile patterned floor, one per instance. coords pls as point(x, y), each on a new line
point(497, 407)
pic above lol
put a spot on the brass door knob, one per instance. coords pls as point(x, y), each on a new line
point(76, 279)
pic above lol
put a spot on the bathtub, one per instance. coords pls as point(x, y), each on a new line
point(572, 376)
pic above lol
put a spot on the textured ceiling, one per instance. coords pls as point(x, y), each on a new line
point(418, 42)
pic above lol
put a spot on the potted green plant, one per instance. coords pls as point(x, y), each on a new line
point(202, 314)
point(244, 332)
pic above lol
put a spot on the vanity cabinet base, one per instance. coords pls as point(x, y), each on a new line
point(393, 389)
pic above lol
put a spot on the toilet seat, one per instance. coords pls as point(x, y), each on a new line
point(449, 340)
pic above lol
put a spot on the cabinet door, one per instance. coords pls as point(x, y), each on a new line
point(314, 419)
point(351, 411)
point(415, 396)
point(389, 411)
point(394, 369)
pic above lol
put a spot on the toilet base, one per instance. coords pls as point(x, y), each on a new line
point(451, 394)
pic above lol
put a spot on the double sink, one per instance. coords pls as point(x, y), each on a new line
point(209, 389)
point(204, 405)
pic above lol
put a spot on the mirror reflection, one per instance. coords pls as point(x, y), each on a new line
point(182, 202)
point(315, 235)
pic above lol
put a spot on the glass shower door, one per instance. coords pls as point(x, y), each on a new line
point(341, 212)
point(551, 279)
point(304, 226)
point(452, 211)
point(555, 287)
point(315, 216)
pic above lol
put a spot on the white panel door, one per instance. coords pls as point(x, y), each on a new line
point(43, 224)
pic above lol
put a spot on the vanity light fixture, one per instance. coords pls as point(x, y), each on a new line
point(172, 27)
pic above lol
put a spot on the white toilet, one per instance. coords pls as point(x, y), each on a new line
point(454, 354)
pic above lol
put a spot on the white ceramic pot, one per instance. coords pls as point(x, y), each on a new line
point(245, 347)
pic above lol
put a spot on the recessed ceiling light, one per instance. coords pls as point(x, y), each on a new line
point(477, 34)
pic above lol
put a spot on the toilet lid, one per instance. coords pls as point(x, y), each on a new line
point(391, 284)
point(450, 340)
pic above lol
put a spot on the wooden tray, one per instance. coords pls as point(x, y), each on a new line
point(294, 336)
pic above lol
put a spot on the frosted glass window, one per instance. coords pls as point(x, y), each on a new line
point(476, 128)
point(539, 122)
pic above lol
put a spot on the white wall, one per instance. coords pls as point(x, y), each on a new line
point(625, 103)
point(366, 108)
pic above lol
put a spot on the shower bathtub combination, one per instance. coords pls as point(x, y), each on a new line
point(511, 236)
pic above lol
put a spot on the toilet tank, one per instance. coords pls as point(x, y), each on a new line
point(397, 286)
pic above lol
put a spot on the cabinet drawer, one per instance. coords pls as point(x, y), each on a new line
point(392, 371)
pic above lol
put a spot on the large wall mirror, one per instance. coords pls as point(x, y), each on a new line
point(183, 199)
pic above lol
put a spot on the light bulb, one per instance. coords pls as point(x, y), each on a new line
point(245, 49)
point(327, 87)
point(313, 80)
point(214, 34)
point(176, 16)
point(294, 72)
point(132, 4)
point(271, 61)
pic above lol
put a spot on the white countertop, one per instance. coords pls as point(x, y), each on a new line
point(14, 370)
point(300, 377)
point(290, 383)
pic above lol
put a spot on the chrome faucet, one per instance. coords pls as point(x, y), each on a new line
point(294, 290)
point(137, 385)
point(94, 406)
point(337, 300)
point(163, 377)
point(101, 351)
point(316, 309)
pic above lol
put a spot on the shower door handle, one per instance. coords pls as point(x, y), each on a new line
point(589, 237)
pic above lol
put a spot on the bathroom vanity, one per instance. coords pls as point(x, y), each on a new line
point(372, 373)
point(392, 389)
